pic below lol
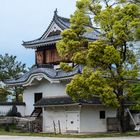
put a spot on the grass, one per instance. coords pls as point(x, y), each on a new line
point(69, 135)
point(5, 128)
point(14, 132)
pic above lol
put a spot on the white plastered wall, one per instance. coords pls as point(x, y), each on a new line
point(48, 89)
point(4, 109)
point(90, 118)
point(136, 117)
point(53, 114)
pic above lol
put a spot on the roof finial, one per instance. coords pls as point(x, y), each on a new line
point(55, 12)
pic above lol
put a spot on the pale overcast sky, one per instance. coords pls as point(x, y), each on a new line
point(26, 20)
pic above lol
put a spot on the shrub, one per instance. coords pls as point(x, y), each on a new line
point(7, 128)
point(14, 112)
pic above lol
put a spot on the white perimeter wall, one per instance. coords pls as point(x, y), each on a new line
point(5, 108)
point(55, 114)
point(90, 118)
point(48, 89)
point(136, 117)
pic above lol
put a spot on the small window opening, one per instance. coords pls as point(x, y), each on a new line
point(102, 114)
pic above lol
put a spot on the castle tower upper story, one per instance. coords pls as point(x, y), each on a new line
point(45, 46)
point(47, 58)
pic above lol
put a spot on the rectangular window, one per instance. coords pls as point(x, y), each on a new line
point(102, 114)
point(37, 97)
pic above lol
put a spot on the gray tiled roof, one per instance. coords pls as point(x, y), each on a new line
point(63, 23)
point(49, 72)
point(66, 100)
point(12, 103)
point(94, 35)
point(48, 40)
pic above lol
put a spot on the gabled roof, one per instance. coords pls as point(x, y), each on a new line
point(62, 23)
point(49, 74)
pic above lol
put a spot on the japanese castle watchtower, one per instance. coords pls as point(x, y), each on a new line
point(46, 79)
point(45, 46)
point(44, 87)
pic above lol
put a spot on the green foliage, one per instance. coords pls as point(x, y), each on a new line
point(17, 93)
point(3, 94)
point(136, 96)
point(110, 61)
point(90, 84)
point(72, 39)
point(65, 67)
point(80, 57)
point(130, 1)
point(10, 68)
point(7, 128)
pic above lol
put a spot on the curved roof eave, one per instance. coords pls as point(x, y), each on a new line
point(38, 77)
point(49, 74)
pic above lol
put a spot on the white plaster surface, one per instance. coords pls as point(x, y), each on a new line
point(48, 89)
point(53, 115)
point(52, 28)
point(4, 109)
point(90, 118)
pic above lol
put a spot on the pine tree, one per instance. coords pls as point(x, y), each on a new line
point(10, 68)
point(110, 62)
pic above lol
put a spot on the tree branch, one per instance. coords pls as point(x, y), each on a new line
point(106, 2)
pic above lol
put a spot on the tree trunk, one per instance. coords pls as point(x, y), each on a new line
point(121, 109)
point(121, 117)
point(16, 95)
